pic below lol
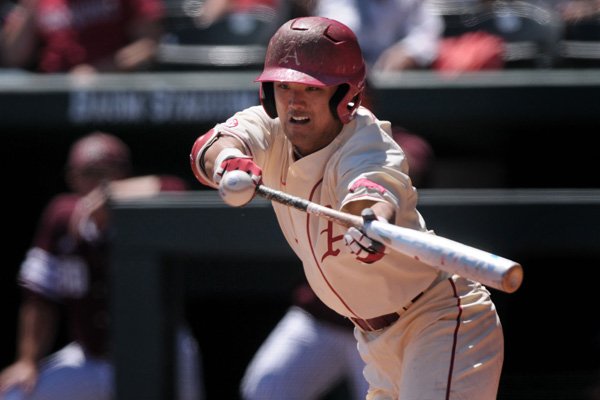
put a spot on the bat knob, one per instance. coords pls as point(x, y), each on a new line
point(513, 278)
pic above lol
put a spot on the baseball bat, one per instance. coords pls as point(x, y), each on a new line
point(439, 252)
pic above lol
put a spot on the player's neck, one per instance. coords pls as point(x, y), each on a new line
point(297, 154)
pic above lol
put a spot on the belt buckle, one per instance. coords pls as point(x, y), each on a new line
point(368, 325)
point(376, 324)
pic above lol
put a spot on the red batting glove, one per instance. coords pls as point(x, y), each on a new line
point(366, 249)
point(233, 160)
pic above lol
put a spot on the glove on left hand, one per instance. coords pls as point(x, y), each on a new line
point(366, 249)
point(234, 160)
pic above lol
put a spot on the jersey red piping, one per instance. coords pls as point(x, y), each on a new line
point(455, 340)
point(312, 250)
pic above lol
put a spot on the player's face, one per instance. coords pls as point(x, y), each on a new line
point(84, 180)
point(305, 116)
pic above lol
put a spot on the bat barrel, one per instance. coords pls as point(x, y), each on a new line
point(451, 256)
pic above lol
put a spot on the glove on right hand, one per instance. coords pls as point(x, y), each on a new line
point(366, 249)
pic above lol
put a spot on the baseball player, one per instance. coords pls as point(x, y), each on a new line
point(312, 348)
point(68, 265)
point(422, 333)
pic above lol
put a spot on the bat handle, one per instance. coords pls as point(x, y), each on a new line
point(436, 251)
point(307, 206)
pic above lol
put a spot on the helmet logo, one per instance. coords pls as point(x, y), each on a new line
point(290, 54)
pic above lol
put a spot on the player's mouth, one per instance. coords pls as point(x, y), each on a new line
point(299, 120)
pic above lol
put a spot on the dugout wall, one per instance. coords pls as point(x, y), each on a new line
point(235, 265)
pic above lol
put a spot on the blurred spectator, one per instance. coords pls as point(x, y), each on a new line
point(393, 34)
point(5, 7)
point(221, 22)
point(312, 350)
point(53, 36)
point(66, 269)
point(576, 10)
point(498, 34)
point(217, 34)
point(465, 47)
point(580, 41)
point(447, 7)
point(221, 34)
point(211, 11)
point(470, 51)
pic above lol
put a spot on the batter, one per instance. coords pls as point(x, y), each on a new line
point(422, 333)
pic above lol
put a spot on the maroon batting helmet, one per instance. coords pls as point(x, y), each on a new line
point(319, 52)
point(98, 150)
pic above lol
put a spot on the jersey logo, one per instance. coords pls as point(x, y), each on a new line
point(231, 122)
point(330, 241)
point(290, 54)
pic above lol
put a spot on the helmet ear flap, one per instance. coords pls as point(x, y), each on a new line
point(267, 98)
point(342, 106)
point(337, 97)
point(353, 104)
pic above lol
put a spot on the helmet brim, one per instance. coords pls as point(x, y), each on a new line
point(295, 76)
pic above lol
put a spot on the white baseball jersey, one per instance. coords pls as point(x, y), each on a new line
point(448, 344)
point(362, 163)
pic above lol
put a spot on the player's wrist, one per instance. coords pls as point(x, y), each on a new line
point(224, 155)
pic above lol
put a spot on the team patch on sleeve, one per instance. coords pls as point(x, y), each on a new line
point(231, 122)
point(367, 187)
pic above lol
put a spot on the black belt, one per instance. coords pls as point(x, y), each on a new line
point(377, 323)
point(383, 321)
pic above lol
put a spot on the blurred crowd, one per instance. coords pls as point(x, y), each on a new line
point(87, 36)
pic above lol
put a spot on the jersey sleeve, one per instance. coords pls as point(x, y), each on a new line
point(373, 168)
point(53, 277)
point(47, 270)
point(254, 129)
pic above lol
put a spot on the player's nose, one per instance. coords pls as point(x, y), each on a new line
point(297, 97)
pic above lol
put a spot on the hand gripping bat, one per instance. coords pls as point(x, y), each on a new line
point(439, 252)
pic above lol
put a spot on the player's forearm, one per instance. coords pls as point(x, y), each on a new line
point(145, 36)
point(211, 154)
point(37, 328)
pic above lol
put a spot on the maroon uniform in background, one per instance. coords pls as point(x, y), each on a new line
point(68, 265)
point(62, 268)
point(59, 35)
